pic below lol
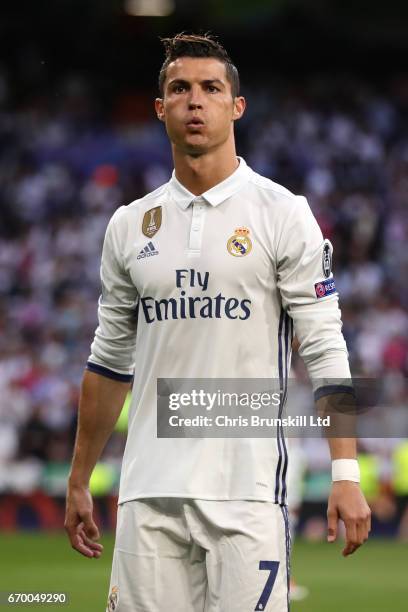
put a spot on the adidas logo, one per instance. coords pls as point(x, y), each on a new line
point(148, 251)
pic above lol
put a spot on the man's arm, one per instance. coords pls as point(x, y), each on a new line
point(105, 383)
point(308, 294)
point(100, 404)
point(346, 500)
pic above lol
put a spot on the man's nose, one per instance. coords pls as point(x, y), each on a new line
point(196, 98)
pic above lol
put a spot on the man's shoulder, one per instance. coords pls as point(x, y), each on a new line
point(274, 192)
point(264, 183)
point(150, 200)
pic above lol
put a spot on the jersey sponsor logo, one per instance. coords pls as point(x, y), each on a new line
point(240, 243)
point(186, 306)
point(326, 287)
point(327, 259)
point(113, 599)
point(148, 251)
point(152, 221)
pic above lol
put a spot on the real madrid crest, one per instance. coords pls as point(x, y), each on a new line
point(152, 221)
point(240, 243)
point(113, 599)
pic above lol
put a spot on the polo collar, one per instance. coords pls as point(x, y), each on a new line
point(217, 194)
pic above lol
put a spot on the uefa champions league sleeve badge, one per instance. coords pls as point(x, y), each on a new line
point(240, 243)
point(152, 221)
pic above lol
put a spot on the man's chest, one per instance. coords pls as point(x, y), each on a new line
point(203, 250)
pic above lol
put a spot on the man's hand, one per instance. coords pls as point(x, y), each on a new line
point(79, 524)
point(347, 502)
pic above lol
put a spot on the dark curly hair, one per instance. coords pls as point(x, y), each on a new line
point(195, 45)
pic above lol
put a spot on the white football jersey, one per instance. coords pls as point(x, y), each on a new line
point(213, 287)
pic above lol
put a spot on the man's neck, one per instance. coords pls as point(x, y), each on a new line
point(199, 174)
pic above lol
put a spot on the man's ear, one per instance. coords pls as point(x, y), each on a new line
point(239, 107)
point(159, 108)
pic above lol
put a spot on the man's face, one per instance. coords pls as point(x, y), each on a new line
point(197, 107)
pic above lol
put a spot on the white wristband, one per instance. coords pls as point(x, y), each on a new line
point(345, 469)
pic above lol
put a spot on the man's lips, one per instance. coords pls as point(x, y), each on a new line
point(195, 122)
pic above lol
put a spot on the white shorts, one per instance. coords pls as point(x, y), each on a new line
point(184, 555)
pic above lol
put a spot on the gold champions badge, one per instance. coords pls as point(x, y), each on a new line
point(152, 221)
point(240, 243)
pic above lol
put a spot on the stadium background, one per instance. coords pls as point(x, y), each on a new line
point(327, 90)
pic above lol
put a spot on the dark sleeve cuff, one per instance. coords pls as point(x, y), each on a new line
point(98, 369)
point(332, 389)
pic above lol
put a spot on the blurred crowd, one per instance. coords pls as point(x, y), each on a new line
point(65, 166)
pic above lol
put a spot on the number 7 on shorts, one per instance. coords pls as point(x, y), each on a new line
point(272, 566)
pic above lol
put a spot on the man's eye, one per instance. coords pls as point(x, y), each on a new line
point(212, 88)
point(179, 89)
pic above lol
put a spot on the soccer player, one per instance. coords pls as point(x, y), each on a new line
point(206, 278)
